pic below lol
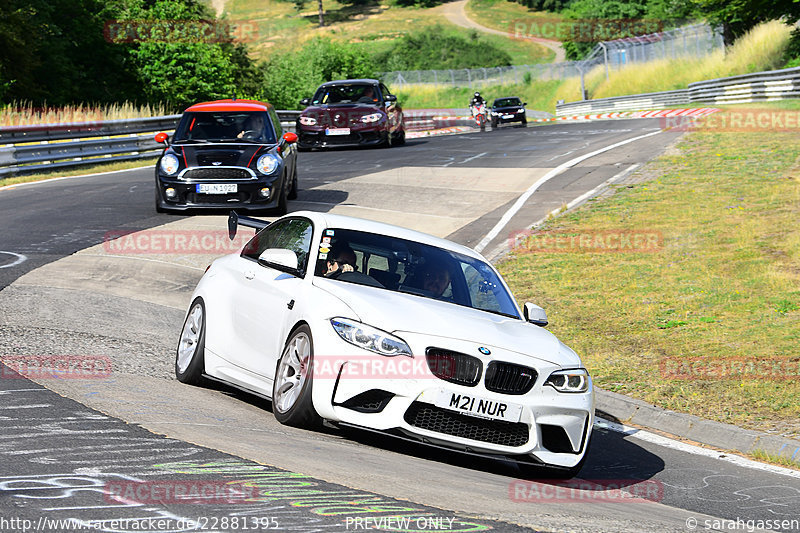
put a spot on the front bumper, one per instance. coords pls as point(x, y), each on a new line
point(316, 137)
point(517, 117)
point(247, 196)
point(553, 428)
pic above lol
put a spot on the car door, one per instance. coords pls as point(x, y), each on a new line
point(264, 293)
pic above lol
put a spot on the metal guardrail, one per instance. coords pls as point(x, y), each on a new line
point(742, 89)
point(625, 103)
point(747, 88)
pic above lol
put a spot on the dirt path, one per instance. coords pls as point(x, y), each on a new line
point(455, 13)
point(219, 6)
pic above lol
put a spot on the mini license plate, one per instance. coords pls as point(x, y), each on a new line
point(337, 131)
point(477, 406)
point(217, 188)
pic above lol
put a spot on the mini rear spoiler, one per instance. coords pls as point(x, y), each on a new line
point(234, 221)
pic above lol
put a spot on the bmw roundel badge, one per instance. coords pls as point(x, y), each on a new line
point(484, 351)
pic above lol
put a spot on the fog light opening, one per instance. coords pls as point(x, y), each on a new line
point(264, 193)
point(171, 193)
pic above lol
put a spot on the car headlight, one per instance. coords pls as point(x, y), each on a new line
point(169, 164)
point(520, 110)
point(576, 380)
point(267, 164)
point(374, 117)
point(369, 338)
point(307, 121)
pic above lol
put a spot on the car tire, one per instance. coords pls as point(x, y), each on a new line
point(494, 124)
point(400, 138)
point(190, 355)
point(293, 191)
point(524, 121)
point(283, 204)
point(159, 209)
point(387, 140)
point(291, 389)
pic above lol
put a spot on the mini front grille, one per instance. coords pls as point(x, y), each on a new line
point(454, 367)
point(195, 198)
point(217, 173)
point(508, 378)
point(432, 418)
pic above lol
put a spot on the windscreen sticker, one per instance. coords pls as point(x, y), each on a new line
point(323, 256)
point(324, 250)
point(326, 240)
point(328, 232)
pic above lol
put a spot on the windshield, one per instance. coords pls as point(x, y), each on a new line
point(346, 94)
point(225, 126)
point(507, 102)
point(410, 267)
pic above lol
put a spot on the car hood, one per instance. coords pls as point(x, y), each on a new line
point(397, 312)
point(210, 155)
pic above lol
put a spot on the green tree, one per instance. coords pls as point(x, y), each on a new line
point(737, 16)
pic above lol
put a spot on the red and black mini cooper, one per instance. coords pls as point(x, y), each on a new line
point(226, 154)
point(351, 113)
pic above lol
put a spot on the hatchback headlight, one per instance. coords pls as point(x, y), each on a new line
point(576, 380)
point(374, 117)
point(169, 164)
point(369, 338)
point(307, 121)
point(267, 164)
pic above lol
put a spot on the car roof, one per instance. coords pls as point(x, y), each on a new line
point(329, 220)
point(230, 105)
point(340, 82)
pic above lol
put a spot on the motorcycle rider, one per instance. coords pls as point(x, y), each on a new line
point(477, 99)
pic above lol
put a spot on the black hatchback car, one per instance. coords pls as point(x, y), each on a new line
point(227, 154)
point(351, 113)
point(508, 109)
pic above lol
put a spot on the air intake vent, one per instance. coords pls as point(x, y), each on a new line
point(432, 418)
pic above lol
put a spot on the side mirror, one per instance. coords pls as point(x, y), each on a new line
point(305, 101)
point(524, 103)
point(390, 98)
point(289, 137)
point(280, 257)
point(161, 138)
point(535, 314)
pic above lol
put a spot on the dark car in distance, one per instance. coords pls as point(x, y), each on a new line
point(227, 154)
point(508, 109)
point(351, 113)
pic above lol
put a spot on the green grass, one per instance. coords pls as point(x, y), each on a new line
point(538, 95)
point(78, 171)
point(502, 15)
point(725, 285)
point(775, 459)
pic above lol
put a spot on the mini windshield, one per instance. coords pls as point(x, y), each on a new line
point(507, 102)
point(350, 93)
point(400, 265)
point(225, 126)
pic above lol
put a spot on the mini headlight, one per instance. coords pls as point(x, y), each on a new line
point(576, 380)
point(307, 121)
point(369, 338)
point(267, 164)
point(169, 164)
point(374, 117)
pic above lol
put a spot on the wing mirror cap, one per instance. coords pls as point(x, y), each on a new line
point(535, 314)
point(279, 257)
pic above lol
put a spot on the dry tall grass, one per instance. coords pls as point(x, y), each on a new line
point(24, 113)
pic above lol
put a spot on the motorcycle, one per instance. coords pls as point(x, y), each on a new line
point(480, 115)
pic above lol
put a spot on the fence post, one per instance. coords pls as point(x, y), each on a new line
point(469, 78)
point(605, 56)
